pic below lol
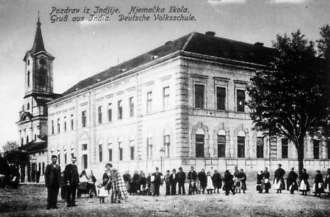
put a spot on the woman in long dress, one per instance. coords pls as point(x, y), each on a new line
point(304, 185)
point(209, 183)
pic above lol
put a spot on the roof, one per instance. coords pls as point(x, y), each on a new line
point(38, 43)
point(198, 43)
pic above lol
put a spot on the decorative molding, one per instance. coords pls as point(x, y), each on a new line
point(199, 76)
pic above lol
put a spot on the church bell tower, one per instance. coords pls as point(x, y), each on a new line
point(38, 67)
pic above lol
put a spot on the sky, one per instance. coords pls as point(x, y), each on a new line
point(82, 49)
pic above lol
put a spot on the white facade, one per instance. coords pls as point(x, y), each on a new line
point(161, 128)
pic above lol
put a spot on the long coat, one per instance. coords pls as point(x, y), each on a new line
point(292, 180)
point(217, 182)
point(53, 176)
point(202, 179)
point(71, 175)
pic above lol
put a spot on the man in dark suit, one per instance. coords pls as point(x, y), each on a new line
point(181, 181)
point(157, 181)
point(52, 181)
point(173, 181)
point(71, 179)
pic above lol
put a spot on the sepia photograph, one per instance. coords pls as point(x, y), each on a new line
point(161, 108)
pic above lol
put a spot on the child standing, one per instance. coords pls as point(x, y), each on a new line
point(209, 185)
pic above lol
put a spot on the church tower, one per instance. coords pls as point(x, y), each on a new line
point(38, 90)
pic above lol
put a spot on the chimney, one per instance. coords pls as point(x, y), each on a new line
point(210, 33)
point(259, 44)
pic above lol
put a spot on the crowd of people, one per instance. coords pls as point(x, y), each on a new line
point(117, 187)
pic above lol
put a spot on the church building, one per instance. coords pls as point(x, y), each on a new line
point(180, 104)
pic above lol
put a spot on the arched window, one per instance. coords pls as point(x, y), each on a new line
point(200, 142)
point(28, 78)
point(221, 141)
point(241, 144)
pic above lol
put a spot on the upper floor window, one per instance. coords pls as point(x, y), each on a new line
point(28, 79)
point(99, 114)
point(240, 146)
point(64, 125)
point(149, 101)
point(120, 110)
point(240, 100)
point(71, 123)
point(28, 106)
point(166, 97)
point(83, 118)
point(131, 106)
point(260, 147)
point(58, 126)
point(221, 98)
point(284, 142)
point(120, 152)
point(110, 112)
point(199, 96)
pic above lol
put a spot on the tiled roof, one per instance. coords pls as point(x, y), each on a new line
point(203, 44)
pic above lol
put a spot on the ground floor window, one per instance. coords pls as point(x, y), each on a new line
point(316, 148)
point(84, 161)
point(241, 146)
point(221, 145)
point(132, 152)
point(110, 154)
point(260, 147)
point(199, 145)
point(285, 148)
point(120, 153)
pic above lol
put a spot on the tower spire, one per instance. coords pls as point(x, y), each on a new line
point(38, 43)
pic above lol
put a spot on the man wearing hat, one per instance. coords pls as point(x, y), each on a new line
point(52, 181)
point(71, 179)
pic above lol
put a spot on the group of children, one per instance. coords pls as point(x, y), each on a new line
point(294, 182)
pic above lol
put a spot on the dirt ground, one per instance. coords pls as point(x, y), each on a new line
point(31, 201)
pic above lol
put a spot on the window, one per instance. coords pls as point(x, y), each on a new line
point(285, 143)
point(84, 161)
point(328, 148)
point(83, 118)
point(166, 97)
point(110, 154)
point(120, 152)
point(149, 101)
point(316, 148)
point(260, 147)
point(149, 148)
point(240, 146)
point(100, 153)
point(84, 147)
point(132, 152)
point(65, 158)
point(240, 100)
point(59, 157)
point(221, 98)
point(28, 106)
point(43, 168)
point(167, 143)
point(221, 140)
point(28, 79)
point(64, 124)
point(199, 96)
point(99, 114)
point(110, 112)
point(120, 110)
point(52, 127)
point(71, 122)
point(58, 126)
point(22, 141)
point(131, 106)
point(199, 145)
point(27, 139)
